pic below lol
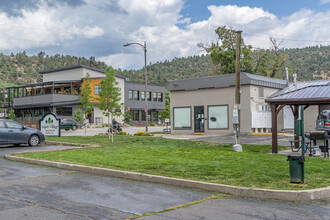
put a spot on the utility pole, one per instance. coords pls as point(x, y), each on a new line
point(237, 108)
point(146, 83)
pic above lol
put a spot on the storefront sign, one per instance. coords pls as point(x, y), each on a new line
point(50, 125)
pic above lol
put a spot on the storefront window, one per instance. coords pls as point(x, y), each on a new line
point(182, 118)
point(155, 116)
point(218, 117)
point(64, 111)
point(135, 115)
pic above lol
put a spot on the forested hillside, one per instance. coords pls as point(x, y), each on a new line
point(309, 63)
point(20, 69)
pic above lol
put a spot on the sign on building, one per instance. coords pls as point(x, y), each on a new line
point(50, 125)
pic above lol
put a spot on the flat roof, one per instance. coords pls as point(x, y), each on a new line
point(142, 83)
point(76, 67)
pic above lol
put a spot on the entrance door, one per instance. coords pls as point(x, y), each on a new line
point(199, 118)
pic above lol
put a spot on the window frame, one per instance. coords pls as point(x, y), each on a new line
point(190, 118)
point(154, 96)
point(136, 95)
point(97, 89)
point(208, 117)
point(130, 94)
point(160, 99)
point(143, 97)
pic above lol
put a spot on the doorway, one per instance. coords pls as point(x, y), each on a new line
point(199, 118)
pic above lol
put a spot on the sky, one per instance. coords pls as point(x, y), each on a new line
point(170, 28)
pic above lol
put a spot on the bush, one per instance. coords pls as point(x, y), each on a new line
point(143, 133)
point(121, 133)
point(152, 124)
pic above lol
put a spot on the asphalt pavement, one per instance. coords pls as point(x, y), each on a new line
point(37, 192)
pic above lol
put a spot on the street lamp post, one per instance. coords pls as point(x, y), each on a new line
point(144, 46)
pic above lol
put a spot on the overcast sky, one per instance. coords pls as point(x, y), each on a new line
point(171, 28)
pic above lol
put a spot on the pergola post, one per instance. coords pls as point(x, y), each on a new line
point(274, 129)
point(296, 116)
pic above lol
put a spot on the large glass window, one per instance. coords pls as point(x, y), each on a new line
point(182, 118)
point(64, 111)
point(154, 94)
point(136, 95)
point(160, 97)
point(143, 115)
point(135, 114)
point(218, 117)
point(149, 96)
point(97, 90)
point(130, 95)
point(155, 116)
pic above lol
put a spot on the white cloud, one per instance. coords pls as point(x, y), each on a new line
point(324, 1)
point(100, 28)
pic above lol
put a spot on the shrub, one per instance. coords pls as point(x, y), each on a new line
point(143, 133)
point(121, 133)
point(152, 124)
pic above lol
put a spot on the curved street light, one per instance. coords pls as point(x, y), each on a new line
point(144, 46)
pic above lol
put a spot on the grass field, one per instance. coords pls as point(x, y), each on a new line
point(194, 160)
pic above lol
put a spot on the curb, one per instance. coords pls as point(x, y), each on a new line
point(286, 195)
point(69, 144)
point(278, 134)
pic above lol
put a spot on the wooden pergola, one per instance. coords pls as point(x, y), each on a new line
point(304, 95)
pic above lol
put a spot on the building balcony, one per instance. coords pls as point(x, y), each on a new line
point(40, 100)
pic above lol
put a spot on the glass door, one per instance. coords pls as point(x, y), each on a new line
point(199, 118)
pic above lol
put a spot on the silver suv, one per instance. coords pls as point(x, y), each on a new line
point(323, 121)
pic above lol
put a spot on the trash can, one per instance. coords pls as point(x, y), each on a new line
point(297, 169)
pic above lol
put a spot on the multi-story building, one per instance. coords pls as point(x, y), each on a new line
point(135, 101)
point(58, 93)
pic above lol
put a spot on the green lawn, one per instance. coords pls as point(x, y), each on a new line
point(204, 161)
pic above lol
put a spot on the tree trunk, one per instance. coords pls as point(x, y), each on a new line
point(112, 128)
point(85, 124)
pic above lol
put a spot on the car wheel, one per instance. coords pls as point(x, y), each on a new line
point(74, 128)
point(34, 140)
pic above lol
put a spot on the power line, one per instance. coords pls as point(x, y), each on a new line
point(286, 39)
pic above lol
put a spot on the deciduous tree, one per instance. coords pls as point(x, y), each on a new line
point(85, 98)
point(110, 97)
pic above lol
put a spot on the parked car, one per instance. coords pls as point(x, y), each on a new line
point(323, 121)
point(68, 124)
point(12, 132)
